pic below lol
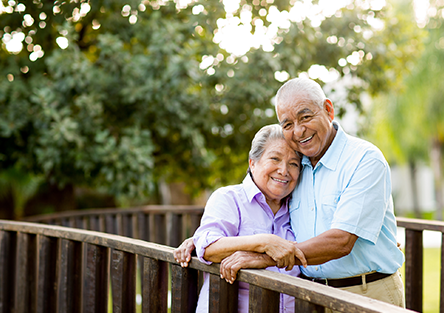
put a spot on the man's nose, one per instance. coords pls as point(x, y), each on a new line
point(298, 131)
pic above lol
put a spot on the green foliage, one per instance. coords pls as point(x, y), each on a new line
point(126, 104)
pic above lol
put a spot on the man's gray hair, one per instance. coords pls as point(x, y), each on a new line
point(301, 88)
point(263, 136)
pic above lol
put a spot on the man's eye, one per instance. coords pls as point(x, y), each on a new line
point(286, 126)
point(294, 164)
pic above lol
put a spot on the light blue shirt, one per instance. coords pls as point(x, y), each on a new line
point(349, 189)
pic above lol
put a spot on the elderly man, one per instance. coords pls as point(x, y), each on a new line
point(342, 210)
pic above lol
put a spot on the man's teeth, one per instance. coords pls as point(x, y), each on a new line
point(305, 140)
point(279, 180)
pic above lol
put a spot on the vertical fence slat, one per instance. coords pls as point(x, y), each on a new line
point(46, 270)
point(123, 281)
point(143, 226)
point(441, 298)
point(262, 300)
point(301, 306)
point(21, 292)
point(96, 280)
point(183, 289)
point(223, 296)
point(159, 227)
point(6, 263)
point(175, 230)
point(110, 224)
point(154, 277)
point(68, 276)
point(413, 269)
point(32, 272)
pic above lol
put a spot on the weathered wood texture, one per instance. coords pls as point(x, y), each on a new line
point(73, 270)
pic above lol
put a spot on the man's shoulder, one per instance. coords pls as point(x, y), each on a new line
point(358, 147)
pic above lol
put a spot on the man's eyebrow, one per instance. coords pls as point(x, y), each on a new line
point(305, 110)
point(283, 122)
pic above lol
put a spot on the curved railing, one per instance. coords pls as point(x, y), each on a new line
point(164, 224)
point(170, 225)
point(47, 268)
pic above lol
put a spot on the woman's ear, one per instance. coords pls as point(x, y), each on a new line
point(251, 165)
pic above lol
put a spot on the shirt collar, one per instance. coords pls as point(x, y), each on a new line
point(250, 187)
point(331, 157)
point(251, 190)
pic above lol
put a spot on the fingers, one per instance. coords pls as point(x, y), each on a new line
point(301, 256)
point(182, 254)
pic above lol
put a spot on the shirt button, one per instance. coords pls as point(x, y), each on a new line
point(312, 208)
point(317, 268)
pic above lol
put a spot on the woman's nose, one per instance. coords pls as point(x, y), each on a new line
point(282, 169)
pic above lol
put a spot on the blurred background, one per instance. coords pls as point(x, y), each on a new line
point(112, 103)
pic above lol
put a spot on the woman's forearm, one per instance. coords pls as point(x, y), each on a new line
point(226, 246)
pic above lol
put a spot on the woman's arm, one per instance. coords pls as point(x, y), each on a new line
point(283, 252)
point(243, 259)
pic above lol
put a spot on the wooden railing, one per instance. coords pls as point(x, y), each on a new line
point(414, 266)
point(164, 224)
point(170, 225)
point(48, 268)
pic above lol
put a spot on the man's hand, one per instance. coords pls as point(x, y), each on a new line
point(284, 252)
point(183, 253)
point(243, 259)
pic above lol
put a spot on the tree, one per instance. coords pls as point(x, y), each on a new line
point(116, 95)
point(408, 120)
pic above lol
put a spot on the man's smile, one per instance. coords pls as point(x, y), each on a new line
point(306, 139)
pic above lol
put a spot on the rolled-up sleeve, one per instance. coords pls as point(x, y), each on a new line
point(221, 218)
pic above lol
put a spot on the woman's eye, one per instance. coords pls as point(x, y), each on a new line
point(294, 164)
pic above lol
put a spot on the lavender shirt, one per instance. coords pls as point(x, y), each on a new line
point(241, 210)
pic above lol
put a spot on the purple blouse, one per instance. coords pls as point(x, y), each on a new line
point(241, 210)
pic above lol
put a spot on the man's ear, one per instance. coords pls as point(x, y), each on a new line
point(328, 105)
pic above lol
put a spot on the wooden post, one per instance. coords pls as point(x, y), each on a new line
point(46, 274)
point(184, 291)
point(263, 300)
point(123, 281)
point(302, 306)
point(223, 296)
point(96, 280)
point(413, 269)
point(154, 286)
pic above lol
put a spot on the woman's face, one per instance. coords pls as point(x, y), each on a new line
point(277, 171)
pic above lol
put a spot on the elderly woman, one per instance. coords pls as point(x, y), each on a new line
point(257, 211)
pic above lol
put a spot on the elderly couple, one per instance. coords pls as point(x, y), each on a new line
point(330, 211)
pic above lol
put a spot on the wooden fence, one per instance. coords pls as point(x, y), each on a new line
point(48, 268)
point(170, 225)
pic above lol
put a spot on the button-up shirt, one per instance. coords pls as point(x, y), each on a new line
point(348, 189)
point(241, 210)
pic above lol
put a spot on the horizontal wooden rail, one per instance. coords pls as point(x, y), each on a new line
point(170, 225)
point(47, 268)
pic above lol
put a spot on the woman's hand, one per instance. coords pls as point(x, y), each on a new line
point(183, 253)
point(243, 259)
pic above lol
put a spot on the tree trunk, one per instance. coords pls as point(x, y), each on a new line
point(414, 186)
point(436, 161)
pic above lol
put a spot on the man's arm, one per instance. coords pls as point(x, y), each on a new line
point(330, 245)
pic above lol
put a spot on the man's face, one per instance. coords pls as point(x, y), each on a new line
point(307, 127)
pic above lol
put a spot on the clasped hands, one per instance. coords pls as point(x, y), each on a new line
point(273, 251)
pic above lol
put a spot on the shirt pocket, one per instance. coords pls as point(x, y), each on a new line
point(329, 205)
